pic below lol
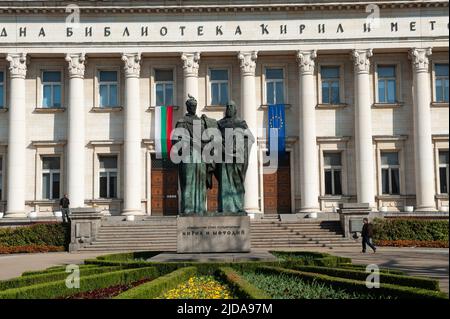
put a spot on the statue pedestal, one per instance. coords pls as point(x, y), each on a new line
point(213, 234)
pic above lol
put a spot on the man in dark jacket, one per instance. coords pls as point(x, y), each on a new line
point(367, 234)
point(64, 204)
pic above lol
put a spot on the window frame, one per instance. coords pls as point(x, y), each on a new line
point(51, 172)
point(390, 168)
point(332, 169)
point(2, 175)
point(398, 92)
point(282, 80)
point(433, 81)
point(341, 66)
point(285, 69)
point(154, 83)
point(40, 87)
point(99, 69)
point(52, 106)
point(209, 82)
point(447, 167)
point(108, 171)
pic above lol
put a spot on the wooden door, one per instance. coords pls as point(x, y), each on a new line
point(277, 188)
point(211, 197)
point(164, 187)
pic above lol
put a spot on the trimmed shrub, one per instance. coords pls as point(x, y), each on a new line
point(241, 288)
point(50, 276)
point(156, 287)
point(357, 286)
point(410, 229)
point(53, 269)
point(363, 268)
point(48, 234)
point(400, 280)
point(58, 288)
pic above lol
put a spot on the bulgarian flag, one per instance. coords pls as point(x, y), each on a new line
point(163, 129)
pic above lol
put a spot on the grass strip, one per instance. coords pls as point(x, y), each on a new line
point(241, 288)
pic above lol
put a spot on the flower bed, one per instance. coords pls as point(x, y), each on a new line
point(30, 249)
point(413, 243)
point(106, 293)
point(199, 287)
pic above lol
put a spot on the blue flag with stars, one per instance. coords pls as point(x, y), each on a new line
point(277, 121)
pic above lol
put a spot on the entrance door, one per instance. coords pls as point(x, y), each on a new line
point(277, 188)
point(164, 187)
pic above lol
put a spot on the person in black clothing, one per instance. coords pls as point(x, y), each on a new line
point(367, 234)
point(64, 204)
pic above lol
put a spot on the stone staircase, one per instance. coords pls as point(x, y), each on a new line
point(159, 234)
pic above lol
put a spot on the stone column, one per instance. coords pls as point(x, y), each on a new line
point(16, 136)
point(309, 158)
point(76, 135)
point(248, 107)
point(363, 129)
point(423, 148)
point(132, 136)
point(190, 69)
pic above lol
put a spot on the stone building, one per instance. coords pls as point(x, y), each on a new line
point(365, 88)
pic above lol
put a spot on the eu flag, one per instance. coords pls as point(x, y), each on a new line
point(277, 121)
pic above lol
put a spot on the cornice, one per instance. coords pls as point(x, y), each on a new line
point(120, 8)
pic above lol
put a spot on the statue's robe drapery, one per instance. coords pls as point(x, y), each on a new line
point(192, 174)
point(231, 175)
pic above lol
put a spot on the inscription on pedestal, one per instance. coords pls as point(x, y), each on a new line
point(202, 234)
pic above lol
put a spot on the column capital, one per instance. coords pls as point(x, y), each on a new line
point(132, 64)
point(248, 62)
point(305, 60)
point(190, 63)
point(361, 60)
point(17, 65)
point(419, 58)
point(76, 64)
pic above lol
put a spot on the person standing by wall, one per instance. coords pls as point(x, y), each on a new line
point(64, 205)
point(367, 234)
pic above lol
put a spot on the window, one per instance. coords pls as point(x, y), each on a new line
point(1, 178)
point(390, 173)
point(164, 87)
point(2, 89)
point(274, 86)
point(108, 86)
point(219, 86)
point(443, 172)
point(387, 85)
point(441, 82)
point(51, 89)
point(330, 84)
point(50, 177)
point(333, 173)
point(108, 176)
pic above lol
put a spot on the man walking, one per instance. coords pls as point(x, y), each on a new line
point(367, 234)
point(64, 205)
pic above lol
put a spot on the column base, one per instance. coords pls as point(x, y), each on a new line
point(20, 214)
point(135, 212)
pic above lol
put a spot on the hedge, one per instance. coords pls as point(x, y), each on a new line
point(363, 267)
point(30, 249)
point(357, 286)
point(48, 234)
point(410, 229)
point(50, 276)
point(155, 288)
point(53, 269)
point(400, 280)
point(241, 288)
point(413, 243)
point(58, 288)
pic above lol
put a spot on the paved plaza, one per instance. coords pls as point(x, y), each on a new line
point(414, 261)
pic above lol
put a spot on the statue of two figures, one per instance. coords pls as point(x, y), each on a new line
point(210, 148)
